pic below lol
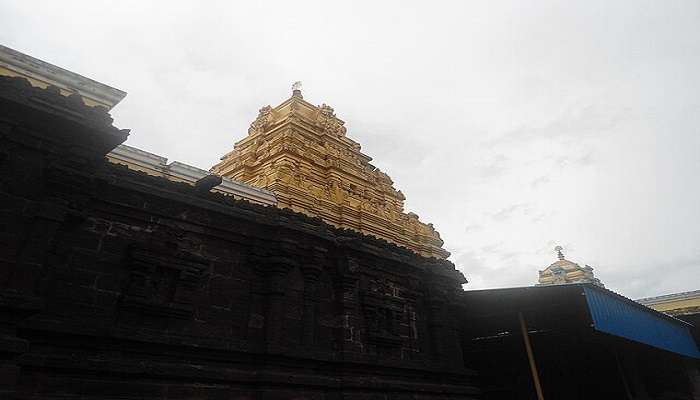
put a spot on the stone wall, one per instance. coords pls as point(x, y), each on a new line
point(119, 285)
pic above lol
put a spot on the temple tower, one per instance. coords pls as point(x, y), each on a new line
point(564, 271)
point(301, 153)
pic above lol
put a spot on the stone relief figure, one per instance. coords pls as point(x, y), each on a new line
point(299, 180)
point(330, 149)
point(329, 122)
point(261, 148)
point(384, 178)
point(334, 163)
point(413, 221)
point(317, 191)
point(262, 181)
point(261, 122)
point(374, 206)
point(337, 193)
point(286, 170)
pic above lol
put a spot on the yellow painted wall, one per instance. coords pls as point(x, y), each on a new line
point(678, 304)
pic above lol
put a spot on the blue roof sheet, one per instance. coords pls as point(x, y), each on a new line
point(622, 317)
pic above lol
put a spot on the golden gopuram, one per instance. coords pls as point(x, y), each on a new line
point(301, 153)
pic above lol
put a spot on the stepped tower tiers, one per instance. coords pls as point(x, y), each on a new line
point(300, 152)
point(564, 271)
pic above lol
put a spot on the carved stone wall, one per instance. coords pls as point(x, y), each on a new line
point(116, 284)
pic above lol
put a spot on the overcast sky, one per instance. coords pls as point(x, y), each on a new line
point(512, 126)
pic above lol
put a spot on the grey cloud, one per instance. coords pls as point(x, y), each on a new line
point(472, 228)
point(511, 211)
point(496, 167)
point(572, 125)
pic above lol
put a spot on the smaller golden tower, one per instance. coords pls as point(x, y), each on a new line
point(564, 271)
point(300, 152)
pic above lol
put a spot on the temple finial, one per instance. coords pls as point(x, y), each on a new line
point(560, 255)
point(296, 89)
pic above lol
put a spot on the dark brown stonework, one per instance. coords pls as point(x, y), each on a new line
point(119, 285)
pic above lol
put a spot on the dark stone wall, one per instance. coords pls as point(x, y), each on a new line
point(119, 285)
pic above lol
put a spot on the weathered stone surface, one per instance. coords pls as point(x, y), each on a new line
point(116, 284)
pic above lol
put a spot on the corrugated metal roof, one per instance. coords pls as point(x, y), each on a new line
point(619, 317)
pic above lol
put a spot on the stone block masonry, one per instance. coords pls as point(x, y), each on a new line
point(119, 285)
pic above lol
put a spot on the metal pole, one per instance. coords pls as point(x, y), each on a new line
point(530, 357)
point(621, 371)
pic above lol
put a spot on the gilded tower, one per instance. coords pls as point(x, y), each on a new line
point(301, 153)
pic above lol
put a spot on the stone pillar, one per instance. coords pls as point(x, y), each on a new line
point(310, 305)
point(351, 338)
point(275, 271)
point(312, 270)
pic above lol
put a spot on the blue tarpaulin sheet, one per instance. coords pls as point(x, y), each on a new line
point(632, 321)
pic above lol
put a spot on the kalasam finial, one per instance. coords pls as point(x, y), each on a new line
point(558, 249)
point(296, 88)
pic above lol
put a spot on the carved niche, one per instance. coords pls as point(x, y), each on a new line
point(163, 281)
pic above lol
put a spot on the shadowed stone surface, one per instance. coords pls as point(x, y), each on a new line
point(116, 284)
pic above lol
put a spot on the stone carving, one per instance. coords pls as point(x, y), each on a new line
point(261, 122)
point(163, 281)
point(329, 122)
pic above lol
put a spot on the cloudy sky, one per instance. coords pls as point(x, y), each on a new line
point(512, 126)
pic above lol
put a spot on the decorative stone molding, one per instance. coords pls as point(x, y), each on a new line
point(156, 165)
point(43, 74)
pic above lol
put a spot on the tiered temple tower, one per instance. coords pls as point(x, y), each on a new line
point(564, 271)
point(300, 152)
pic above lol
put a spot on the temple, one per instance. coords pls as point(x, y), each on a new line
point(564, 271)
point(301, 153)
point(125, 276)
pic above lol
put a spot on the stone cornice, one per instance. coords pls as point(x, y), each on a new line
point(43, 71)
point(670, 298)
point(158, 165)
